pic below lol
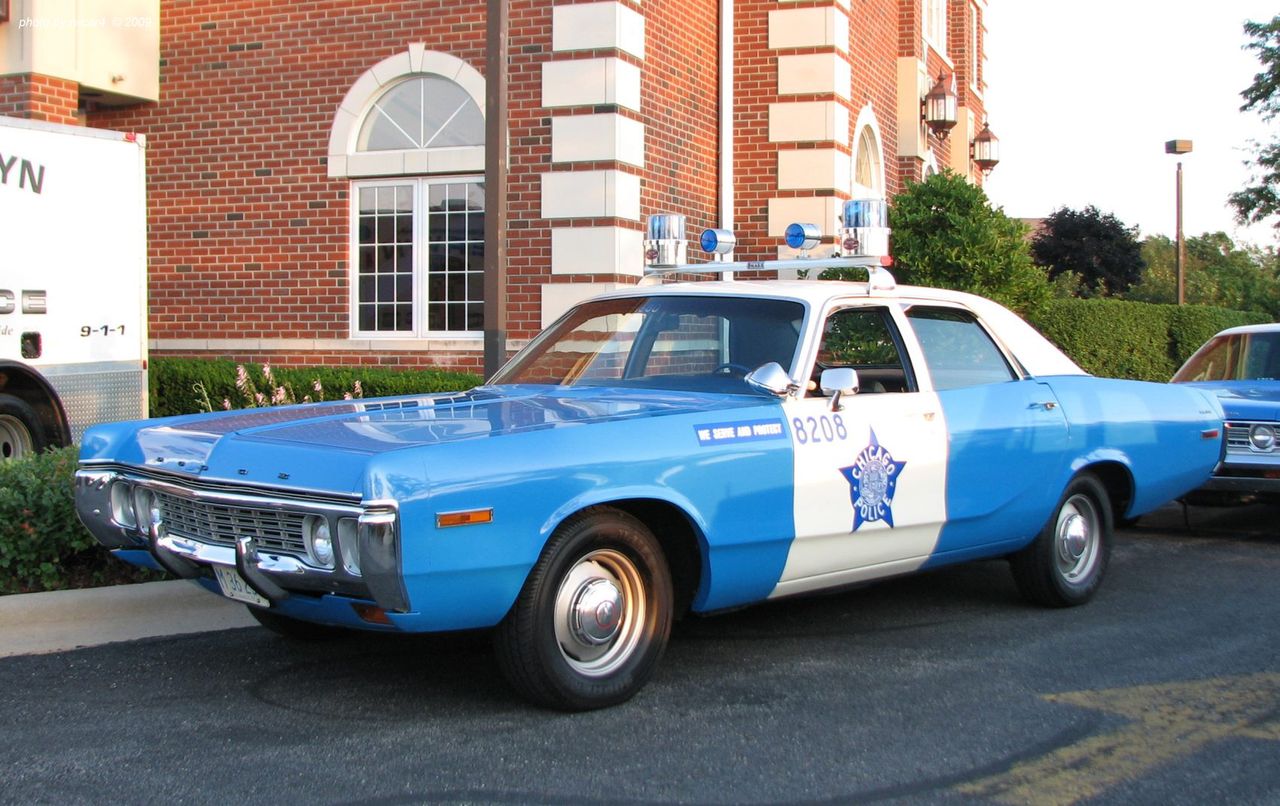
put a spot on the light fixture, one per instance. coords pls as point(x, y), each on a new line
point(938, 109)
point(985, 150)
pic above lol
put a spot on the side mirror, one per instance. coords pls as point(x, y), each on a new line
point(838, 382)
point(773, 379)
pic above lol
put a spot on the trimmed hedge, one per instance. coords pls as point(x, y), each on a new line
point(1123, 339)
point(43, 546)
point(175, 382)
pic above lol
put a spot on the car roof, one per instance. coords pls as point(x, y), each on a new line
point(1036, 353)
point(1269, 327)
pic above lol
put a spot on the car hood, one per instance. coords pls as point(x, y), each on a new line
point(1246, 400)
point(323, 445)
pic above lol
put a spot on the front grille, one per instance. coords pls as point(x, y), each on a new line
point(1238, 435)
point(222, 524)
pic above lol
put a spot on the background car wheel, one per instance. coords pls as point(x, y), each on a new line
point(593, 618)
point(1065, 564)
point(293, 628)
point(20, 431)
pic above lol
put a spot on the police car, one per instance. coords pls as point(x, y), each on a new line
point(661, 451)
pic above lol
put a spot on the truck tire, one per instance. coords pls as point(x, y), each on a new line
point(594, 616)
point(20, 431)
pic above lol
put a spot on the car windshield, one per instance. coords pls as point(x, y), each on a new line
point(694, 343)
point(1235, 357)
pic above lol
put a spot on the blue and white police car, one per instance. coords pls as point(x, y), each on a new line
point(660, 451)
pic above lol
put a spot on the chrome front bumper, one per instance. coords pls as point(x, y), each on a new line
point(273, 564)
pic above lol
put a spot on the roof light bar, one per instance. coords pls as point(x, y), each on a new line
point(864, 243)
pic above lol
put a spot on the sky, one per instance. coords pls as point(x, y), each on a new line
point(1084, 94)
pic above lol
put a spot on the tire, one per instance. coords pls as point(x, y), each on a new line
point(292, 628)
point(592, 621)
point(20, 431)
point(1064, 565)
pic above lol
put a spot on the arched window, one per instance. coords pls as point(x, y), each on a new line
point(868, 172)
point(868, 161)
point(422, 112)
point(410, 137)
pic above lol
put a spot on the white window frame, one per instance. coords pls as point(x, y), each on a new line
point(934, 25)
point(421, 193)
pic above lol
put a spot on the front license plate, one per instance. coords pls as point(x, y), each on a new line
point(234, 587)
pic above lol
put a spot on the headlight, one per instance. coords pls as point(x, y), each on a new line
point(349, 545)
point(319, 539)
point(145, 512)
point(1262, 437)
point(122, 505)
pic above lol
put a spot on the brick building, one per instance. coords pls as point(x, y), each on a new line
point(316, 169)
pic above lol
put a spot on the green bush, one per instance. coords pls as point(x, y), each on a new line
point(176, 383)
point(43, 546)
point(1123, 339)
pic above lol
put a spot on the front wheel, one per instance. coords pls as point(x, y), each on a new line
point(1064, 565)
point(593, 618)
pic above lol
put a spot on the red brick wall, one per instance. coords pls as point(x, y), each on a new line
point(249, 237)
point(38, 97)
point(872, 53)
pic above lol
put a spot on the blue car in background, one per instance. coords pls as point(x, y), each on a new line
point(660, 451)
point(1242, 366)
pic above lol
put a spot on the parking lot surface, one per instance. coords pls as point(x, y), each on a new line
point(941, 688)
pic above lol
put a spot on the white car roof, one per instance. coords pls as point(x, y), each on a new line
point(1036, 353)
point(1270, 327)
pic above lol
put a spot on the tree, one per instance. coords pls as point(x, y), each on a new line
point(1261, 199)
point(1217, 272)
point(1096, 246)
point(946, 234)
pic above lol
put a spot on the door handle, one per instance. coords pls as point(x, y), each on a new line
point(1048, 405)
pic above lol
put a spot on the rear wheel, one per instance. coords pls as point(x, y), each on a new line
point(293, 628)
point(594, 616)
point(1065, 564)
point(20, 431)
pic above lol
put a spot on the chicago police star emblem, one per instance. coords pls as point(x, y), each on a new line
point(873, 479)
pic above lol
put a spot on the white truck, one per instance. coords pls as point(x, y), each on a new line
point(73, 282)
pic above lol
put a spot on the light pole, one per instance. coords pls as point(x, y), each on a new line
point(1180, 259)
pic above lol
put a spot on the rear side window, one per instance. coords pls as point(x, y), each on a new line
point(957, 350)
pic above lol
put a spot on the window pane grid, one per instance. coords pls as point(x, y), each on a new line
point(423, 270)
point(384, 259)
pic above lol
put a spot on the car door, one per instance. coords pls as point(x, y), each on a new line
point(869, 467)
point(1007, 435)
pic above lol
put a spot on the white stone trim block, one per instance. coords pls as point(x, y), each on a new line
point(821, 210)
point(587, 82)
point(813, 73)
point(597, 250)
point(808, 121)
point(597, 138)
point(809, 28)
point(560, 297)
point(814, 169)
point(591, 26)
point(591, 194)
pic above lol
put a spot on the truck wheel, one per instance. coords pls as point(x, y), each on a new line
point(1064, 565)
point(20, 431)
point(293, 628)
point(593, 618)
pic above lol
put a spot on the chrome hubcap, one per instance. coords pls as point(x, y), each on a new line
point(15, 439)
point(599, 612)
point(1076, 538)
